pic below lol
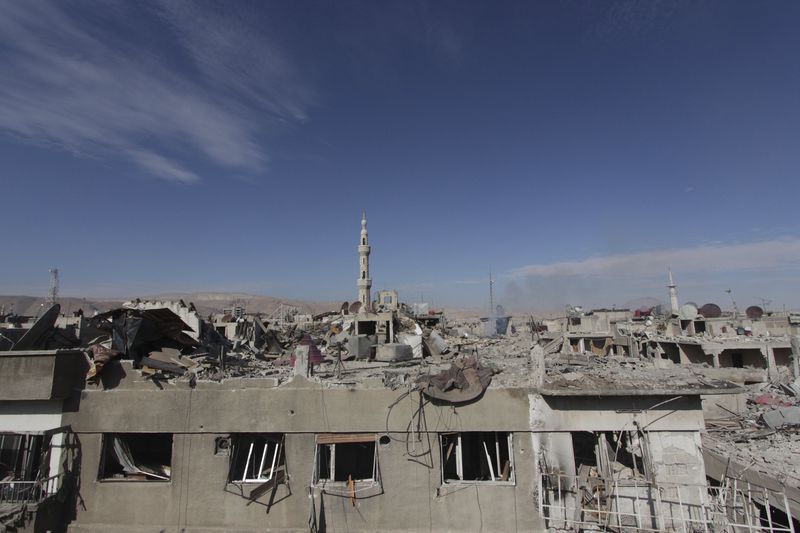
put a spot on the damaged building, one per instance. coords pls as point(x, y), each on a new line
point(368, 418)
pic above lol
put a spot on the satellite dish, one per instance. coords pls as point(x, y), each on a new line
point(711, 311)
point(35, 338)
point(355, 307)
point(754, 311)
point(688, 311)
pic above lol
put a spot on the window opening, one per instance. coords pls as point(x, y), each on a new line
point(136, 456)
point(367, 327)
point(477, 456)
point(346, 461)
point(347, 465)
point(257, 458)
point(610, 454)
point(21, 456)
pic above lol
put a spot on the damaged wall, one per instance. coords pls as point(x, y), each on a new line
point(197, 495)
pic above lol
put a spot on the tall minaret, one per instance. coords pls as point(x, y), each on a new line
point(364, 281)
point(673, 295)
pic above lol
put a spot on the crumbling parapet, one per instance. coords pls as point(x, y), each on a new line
point(537, 357)
point(715, 353)
point(769, 356)
point(302, 367)
point(795, 342)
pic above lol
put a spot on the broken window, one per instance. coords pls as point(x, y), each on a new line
point(21, 456)
point(366, 327)
point(478, 456)
point(610, 454)
point(257, 458)
point(346, 459)
point(136, 456)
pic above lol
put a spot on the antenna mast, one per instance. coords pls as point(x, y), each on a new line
point(52, 297)
point(491, 295)
point(735, 308)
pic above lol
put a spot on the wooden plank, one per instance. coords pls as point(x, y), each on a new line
point(506, 471)
point(345, 438)
point(278, 478)
point(160, 365)
point(351, 487)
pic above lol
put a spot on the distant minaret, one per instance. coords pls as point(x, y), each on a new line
point(673, 295)
point(364, 281)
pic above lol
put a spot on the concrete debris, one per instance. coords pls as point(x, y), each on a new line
point(785, 416)
point(412, 340)
point(393, 352)
point(769, 399)
point(136, 332)
point(436, 344)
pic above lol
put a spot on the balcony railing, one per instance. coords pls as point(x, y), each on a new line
point(28, 492)
point(569, 502)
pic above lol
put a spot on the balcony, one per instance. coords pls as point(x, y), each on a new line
point(30, 493)
point(41, 374)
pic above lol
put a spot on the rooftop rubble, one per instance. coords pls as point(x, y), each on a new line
point(163, 351)
point(765, 438)
point(617, 375)
point(163, 347)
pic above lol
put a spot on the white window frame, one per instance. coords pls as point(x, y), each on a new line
point(495, 474)
point(363, 487)
point(254, 456)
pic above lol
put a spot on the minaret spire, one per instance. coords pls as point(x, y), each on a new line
point(673, 295)
point(364, 281)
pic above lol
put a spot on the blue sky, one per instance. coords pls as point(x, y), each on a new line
point(575, 149)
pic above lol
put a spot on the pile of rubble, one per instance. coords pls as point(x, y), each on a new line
point(168, 341)
point(766, 436)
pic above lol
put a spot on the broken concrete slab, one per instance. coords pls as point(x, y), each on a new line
point(392, 352)
point(785, 416)
point(359, 346)
point(414, 341)
point(436, 344)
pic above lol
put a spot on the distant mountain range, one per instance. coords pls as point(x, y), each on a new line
point(214, 302)
point(205, 302)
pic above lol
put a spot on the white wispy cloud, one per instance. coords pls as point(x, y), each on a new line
point(712, 258)
point(87, 82)
point(161, 166)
